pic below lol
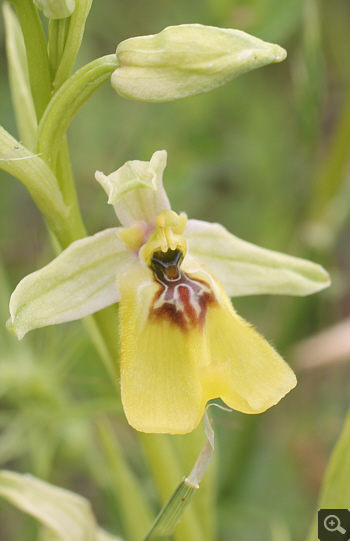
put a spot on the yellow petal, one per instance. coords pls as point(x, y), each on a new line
point(160, 388)
point(245, 371)
point(183, 344)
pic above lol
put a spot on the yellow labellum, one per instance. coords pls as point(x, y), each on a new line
point(183, 344)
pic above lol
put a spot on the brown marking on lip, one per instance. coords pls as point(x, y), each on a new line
point(181, 299)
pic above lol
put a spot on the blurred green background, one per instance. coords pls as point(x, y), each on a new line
point(267, 155)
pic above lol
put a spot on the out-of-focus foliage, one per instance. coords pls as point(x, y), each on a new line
point(267, 156)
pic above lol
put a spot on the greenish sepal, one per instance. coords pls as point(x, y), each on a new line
point(67, 102)
point(56, 9)
point(19, 78)
point(136, 190)
point(186, 60)
point(246, 269)
point(133, 175)
point(79, 282)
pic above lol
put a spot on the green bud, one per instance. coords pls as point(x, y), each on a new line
point(56, 9)
point(186, 60)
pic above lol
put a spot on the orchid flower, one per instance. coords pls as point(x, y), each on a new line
point(182, 343)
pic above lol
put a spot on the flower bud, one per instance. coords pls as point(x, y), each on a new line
point(186, 60)
point(56, 9)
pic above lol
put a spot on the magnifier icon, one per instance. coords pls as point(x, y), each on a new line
point(332, 524)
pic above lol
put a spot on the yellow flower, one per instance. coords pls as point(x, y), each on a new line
point(182, 343)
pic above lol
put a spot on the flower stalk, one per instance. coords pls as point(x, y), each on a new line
point(67, 102)
point(38, 60)
point(171, 513)
point(166, 471)
point(73, 39)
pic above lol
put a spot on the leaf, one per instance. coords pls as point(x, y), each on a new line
point(67, 514)
point(335, 491)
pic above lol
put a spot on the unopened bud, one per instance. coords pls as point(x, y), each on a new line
point(56, 9)
point(186, 60)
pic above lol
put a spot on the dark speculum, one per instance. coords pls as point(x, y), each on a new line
point(166, 265)
point(182, 300)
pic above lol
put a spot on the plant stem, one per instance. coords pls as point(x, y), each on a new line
point(58, 30)
point(67, 186)
point(38, 61)
point(68, 101)
point(73, 40)
point(166, 471)
point(171, 513)
point(134, 511)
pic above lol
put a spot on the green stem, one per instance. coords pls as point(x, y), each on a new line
point(166, 471)
point(100, 326)
point(58, 30)
point(38, 61)
point(135, 514)
point(171, 513)
point(186, 448)
point(73, 40)
point(68, 101)
point(67, 186)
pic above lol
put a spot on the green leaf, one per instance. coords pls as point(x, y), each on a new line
point(335, 491)
point(122, 481)
point(101, 535)
point(66, 516)
point(64, 512)
point(246, 269)
point(19, 78)
point(37, 177)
